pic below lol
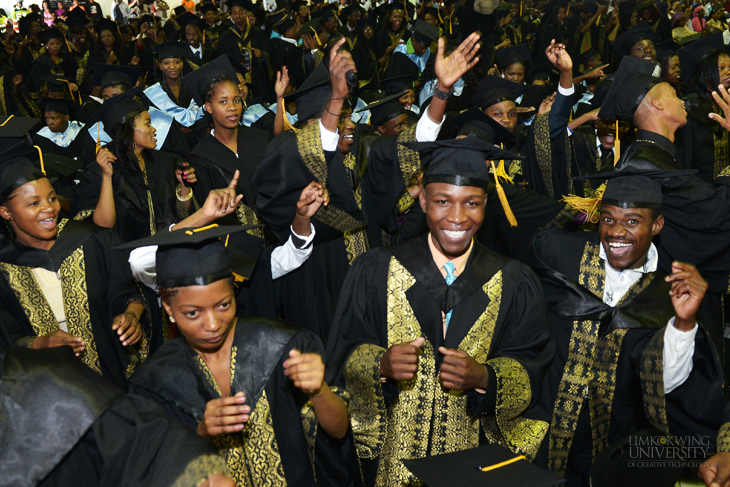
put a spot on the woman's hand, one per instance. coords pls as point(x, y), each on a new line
point(60, 338)
point(222, 202)
point(224, 415)
point(128, 328)
point(112, 58)
point(282, 81)
point(105, 159)
point(306, 370)
point(134, 61)
point(186, 176)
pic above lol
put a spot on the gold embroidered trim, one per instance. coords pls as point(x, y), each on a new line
point(246, 216)
point(356, 242)
point(261, 449)
point(200, 469)
point(543, 151)
point(408, 160)
point(367, 407)
point(72, 275)
point(723, 438)
point(150, 205)
point(651, 373)
point(83, 214)
point(721, 152)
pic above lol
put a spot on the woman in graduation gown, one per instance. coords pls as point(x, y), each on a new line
point(60, 283)
point(133, 188)
point(254, 386)
point(393, 33)
point(364, 56)
point(229, 146)
point(109, 49)
point(53, 61)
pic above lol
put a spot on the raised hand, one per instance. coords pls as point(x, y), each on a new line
point(223, 201)
point(597, 72)
point(459, 371)
point(60, 338)
point(452, 67)
point(306, 371)
point(310, 199)
point(688, 290)
point(105, 159)
point(282, 81)
point(186, 176)
point(224, 415)
point(400, 362)
point(722, 98)
point(340, 63)
point(559, 57)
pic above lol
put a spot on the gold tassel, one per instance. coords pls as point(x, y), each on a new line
point(40, 154)
point(520, 8)
point(503, 197)
point(98, 140)
point(501, 172)
point(438, 13)
point(6, 120)
point(282, 109)
point(617, 146)
point(589, 206)
point(201, 229)
point(598, 20)
point(451, 15)
point(315, 35)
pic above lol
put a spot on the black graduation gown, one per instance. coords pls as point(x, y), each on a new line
point(97, 285)
point(397, 294)
point(208, 54)
point(703, 144)
point(44, 65)
point(615, 352)
point(65, 186)
point(274, 444)
point(233, 42)
point(285, 53)
point(100, 437)
point(290, 162)
point(134, 220)
point(11, 104)
point(367, 65)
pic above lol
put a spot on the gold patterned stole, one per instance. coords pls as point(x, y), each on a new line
point(244, 45)
point(309, 146)
point(150, 204)
point(543, 153)
point(246, 216)
point(427, 419)
point(721, 152)
point(723, 438)
point(72, 274)
point(253, 454)
point(356, 241)
point(410, 166)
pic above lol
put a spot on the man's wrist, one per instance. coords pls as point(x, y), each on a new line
point(442, 87)
point(684, 324)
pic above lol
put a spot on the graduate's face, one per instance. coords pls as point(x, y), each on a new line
point(454, 214)
point(643, 50)
point(111, 91)
point(419, 47)
point(210, 17)
point(626, 234)
point(723, 66)
point(330, 25)
point(505, 113)
point(193, 35)
point(53, 46)
point(242, 86)
point(238, 16)
point(107, 38)
point(674, 71)
point(396, 20)
point(172, 67)
point(32, 210)
point(204, 314)
point(57, 122)
point(515, 72)
point(431, 19)
point(346, 129)
point(394, 125)
point(672, 106)
point(303, 11)
point(144, 132)
point(408, 99)
point(225, 106)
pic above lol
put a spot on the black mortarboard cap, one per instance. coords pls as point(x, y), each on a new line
point(397, 84)
point(148, 18)
point(493, 89)
point(48, 34)
point(179, 10)
point(55, 82)
point(14, 140)
point(77, 18)
point(433, 11)
point(602, 89)
point(631, 82)
point(16, 172)
point(208, 7)
point(692, 55)
point(113, 74)
point(245, 4)
point(475, 121)
point(664, 54)
point(116, 111)
point(645, 4)
point(626, 41)
point(58, 105)
point(385, 109)
point(197, 82)
point(586, 56)
point(635, 181)
point(325, 13)
point(506, 468)
point(297, 5)
point(191, 19)
point(106, 24)
point(348, 10)
point(400, 74)
point(511, 55)
point(238, 67)
point(312, 96)
point(206, 259)
point(283, 24)
point(645, 458)
point(425, 33)
point(58, 165)
point(169, 50)
point(460, 162)
point(310, 27)
point(24, 23)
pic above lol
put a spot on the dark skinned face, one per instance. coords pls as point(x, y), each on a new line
point(626, 235)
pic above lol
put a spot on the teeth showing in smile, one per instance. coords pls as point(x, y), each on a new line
point(347, 137)
point(619, 247)
point(48, 222)
point(455, 234)
point(619, 244)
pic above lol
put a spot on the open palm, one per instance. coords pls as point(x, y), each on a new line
point(452, 67)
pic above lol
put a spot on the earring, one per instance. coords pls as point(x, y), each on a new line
point(172, 320)
point(134, 146)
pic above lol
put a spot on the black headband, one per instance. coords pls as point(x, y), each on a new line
point(455, 180)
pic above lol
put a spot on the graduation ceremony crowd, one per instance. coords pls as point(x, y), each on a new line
point(365, 244)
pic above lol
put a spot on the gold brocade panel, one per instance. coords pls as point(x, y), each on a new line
point(723, 438)
point(200, 469)
point(721, 150)
point(246, 216)
point(72, 274)
point(651, 373)
point(356, 242)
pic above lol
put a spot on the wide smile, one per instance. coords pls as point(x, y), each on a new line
point(48, 223)
point(455, 235)
point(619, 248)
point(348, 137)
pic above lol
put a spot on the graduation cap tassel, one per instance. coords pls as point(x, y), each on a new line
point(40, 154)
point(438, 12)
point(98, 139)
point(315, 35)
point(598, 20)
point(520, 8)
point(503, 197)
point(617, 146)
point(451, 15)
point(282, 109)
point(589, 206)
point(201, 229)
point(6, 120)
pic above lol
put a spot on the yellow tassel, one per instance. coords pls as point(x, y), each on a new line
point(598, 20)
point(98, 139)
point(589, 206)
point(520, 8)
point(501, 172)
point(503, 197)
point(282, 109)
point(201, 229)
point(451, 15)
point(227, 237)
point(617, 146)
point(40, 154)
point(6, 120)
point(315, 35)
point(438, 13)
